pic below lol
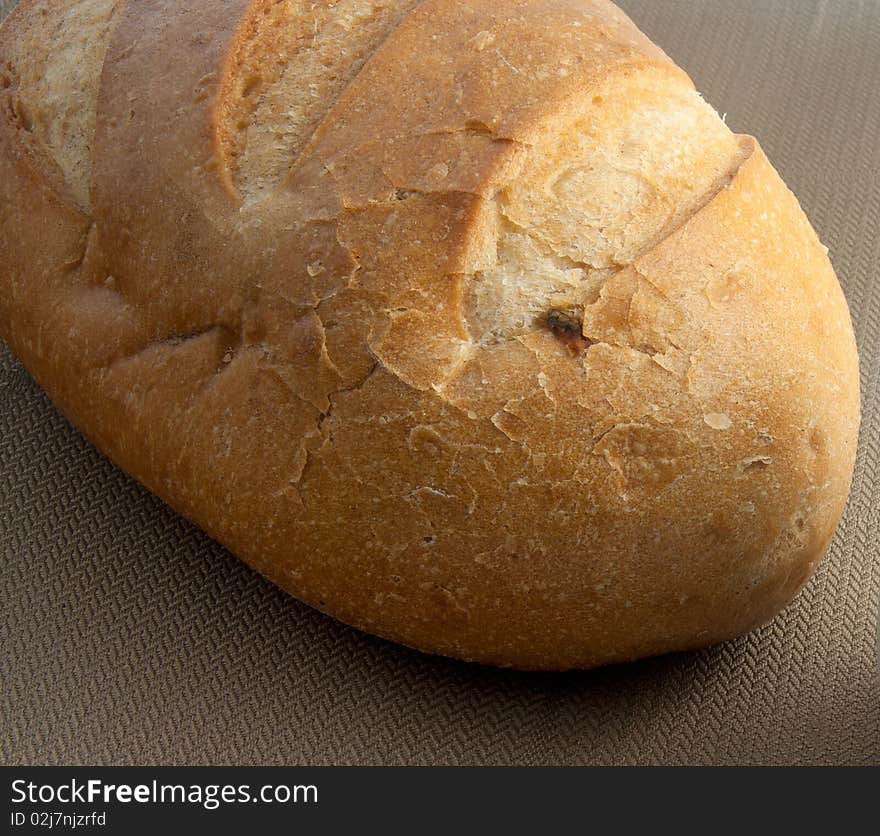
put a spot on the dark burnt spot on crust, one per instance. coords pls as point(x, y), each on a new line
point(567, 323)
point(568, 326)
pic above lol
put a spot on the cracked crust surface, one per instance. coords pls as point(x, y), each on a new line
point(317, 324)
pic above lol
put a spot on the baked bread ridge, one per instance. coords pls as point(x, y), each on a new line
point(324, 365)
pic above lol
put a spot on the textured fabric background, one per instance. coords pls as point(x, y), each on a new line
point(129, 637)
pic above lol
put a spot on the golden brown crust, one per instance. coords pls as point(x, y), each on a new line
point(300, 374)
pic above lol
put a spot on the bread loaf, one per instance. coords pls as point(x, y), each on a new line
point(470, 324)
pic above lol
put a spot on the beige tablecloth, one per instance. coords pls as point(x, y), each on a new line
point(129, 637)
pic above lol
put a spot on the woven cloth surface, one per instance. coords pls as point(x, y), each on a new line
point(128, 636)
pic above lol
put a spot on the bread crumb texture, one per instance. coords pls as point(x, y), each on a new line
point(471, 324)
